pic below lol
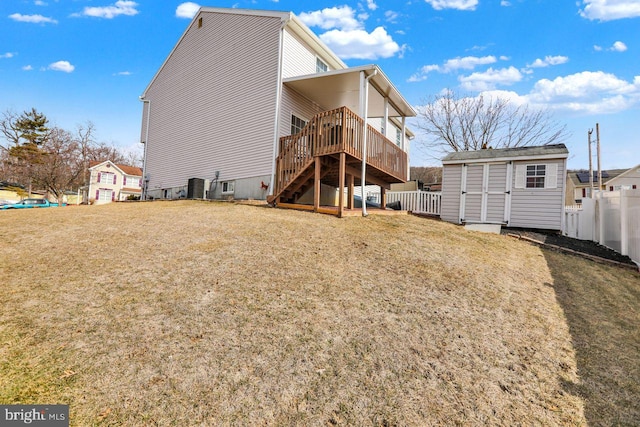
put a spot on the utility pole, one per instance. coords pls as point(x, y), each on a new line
point(590, 166)
point(599, 168)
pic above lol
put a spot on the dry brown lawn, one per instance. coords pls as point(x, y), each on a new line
point(195, 313)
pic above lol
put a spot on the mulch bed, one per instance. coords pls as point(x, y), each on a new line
point(582, 247)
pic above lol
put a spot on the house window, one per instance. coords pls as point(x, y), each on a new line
point(107, 177)
point(297, 124)
point(131, 182)
point(104, 195)
point(227, 187)
point(398, 137)
point(321, 66)
point(535, 176)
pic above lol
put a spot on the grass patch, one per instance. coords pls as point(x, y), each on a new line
point(192, 313)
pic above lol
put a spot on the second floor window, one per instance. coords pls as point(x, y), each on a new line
point(106, 177)
point(321, 66)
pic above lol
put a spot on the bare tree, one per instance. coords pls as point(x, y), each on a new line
point(426, 174)
point(455, 123)
point(62, 166)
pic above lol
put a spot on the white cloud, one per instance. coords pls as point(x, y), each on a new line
point(609, 10)
point(39, 3)
point(342, 18)
point(124, 73)
point(548, 60)
point(360, 44)
point(187, 10)
point(453, 4)
point(64, 66)
point(32, 19)
point(27, 68)
point(121, 7)
point(619, 46)
point(505, 3)
point(597, 48)
point(467, 63)
point(347, 36)
point(371, 4)
point(451, 65)
point(490, 79)
point(391, 16)
point(587, 91)
point(7, 55)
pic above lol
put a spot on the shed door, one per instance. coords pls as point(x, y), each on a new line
point(486, 191)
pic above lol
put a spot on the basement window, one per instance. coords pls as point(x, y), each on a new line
point(228, 187)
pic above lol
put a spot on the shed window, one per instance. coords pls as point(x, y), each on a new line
point(321, 66)
point(536, 176)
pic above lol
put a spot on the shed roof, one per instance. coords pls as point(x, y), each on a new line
point(551, 151)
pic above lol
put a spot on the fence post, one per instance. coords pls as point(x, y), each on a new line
point(600, 217)
point(624, 234)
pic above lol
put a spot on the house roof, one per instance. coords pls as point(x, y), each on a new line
point(607, 175)
point(333, 89)
point(551, 151)
point(125, 169)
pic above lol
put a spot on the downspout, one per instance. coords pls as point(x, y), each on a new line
point(146, 141)
point(365, 109)
point(276, 130)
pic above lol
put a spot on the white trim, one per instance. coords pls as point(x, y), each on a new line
point(507, 159)
point(507, 193)
point(276, 124)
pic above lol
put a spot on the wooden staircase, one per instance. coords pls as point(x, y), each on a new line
point(329, 147)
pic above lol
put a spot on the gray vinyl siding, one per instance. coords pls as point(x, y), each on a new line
point(497, 184)
point(299, 59)
point(450, 207)
point(473, 202)
point(294, 103)
point(540, 207)
point(213, 103)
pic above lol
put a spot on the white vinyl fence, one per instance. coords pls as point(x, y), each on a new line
point(427, 202)
point(611, 218)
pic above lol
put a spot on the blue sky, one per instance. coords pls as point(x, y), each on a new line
point(80, 60)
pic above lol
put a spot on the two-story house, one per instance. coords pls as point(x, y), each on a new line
point(109, 182)
point(254, 104)
point(579, 184)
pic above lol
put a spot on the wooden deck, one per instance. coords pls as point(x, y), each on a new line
point(329, 150)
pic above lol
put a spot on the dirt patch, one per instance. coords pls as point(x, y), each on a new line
point(582, 246)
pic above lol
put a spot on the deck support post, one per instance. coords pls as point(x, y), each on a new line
point(341, 174)
point(350, 186)
point(383, 198)
point(316, 184)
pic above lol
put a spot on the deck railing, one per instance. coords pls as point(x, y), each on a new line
point(333, 132)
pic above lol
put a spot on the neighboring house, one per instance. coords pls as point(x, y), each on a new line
point(248, 100)
point(110, 182)
point(515, 187)
point(579, 187)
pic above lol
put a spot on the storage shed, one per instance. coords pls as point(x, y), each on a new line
point(516, 187)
